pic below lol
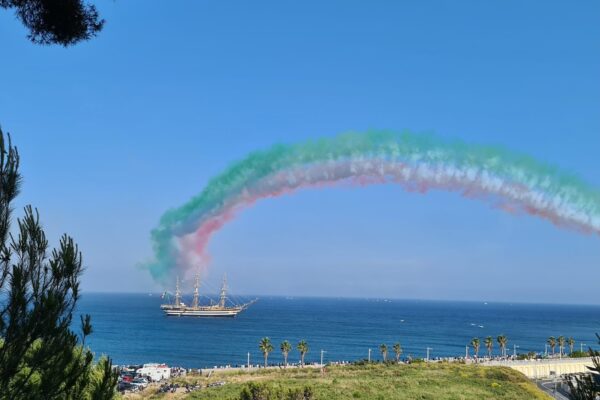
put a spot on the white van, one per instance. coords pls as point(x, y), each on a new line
point(156, 372)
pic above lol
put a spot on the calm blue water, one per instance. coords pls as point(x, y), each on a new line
point(132, 329)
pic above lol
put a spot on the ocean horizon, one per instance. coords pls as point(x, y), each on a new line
point(188, 295)
point(131, 328)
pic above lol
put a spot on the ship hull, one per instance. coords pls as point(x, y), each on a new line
point(174, 312)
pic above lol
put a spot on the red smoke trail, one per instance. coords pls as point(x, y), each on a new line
point(194, 246)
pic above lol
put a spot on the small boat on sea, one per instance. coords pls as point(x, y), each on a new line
point(223, 308)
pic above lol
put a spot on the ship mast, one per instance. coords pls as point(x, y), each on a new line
point(223, 296)
point(196, 302)
point(177, 294)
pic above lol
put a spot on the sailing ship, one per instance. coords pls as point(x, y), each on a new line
point(220, 309)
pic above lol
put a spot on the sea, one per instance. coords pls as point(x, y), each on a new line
point(131, 329)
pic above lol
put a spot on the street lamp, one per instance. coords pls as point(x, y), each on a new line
point(429, 348)
point(322, 352)
point(581, 347)
point(248, 361)
point(515, 347)
point(369, 359)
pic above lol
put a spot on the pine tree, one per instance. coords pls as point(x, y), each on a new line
point(40, 356)
point(63, 22)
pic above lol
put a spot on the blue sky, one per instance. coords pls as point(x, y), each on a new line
point(115, 131)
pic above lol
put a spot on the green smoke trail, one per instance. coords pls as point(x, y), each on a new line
point(556, 195)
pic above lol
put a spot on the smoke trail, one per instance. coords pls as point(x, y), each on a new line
point(509, 181)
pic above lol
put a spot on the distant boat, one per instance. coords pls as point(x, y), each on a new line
point(221, 309)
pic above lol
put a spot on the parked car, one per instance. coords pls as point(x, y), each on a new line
point(142, 383)
point(127, 386)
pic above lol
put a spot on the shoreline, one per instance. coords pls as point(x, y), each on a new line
point(483, 361)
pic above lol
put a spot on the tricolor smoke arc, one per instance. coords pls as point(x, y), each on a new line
point(509, 181)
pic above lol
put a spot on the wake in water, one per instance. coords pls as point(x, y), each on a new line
point(509, 181)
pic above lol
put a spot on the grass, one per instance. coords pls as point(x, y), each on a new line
point(386, 382)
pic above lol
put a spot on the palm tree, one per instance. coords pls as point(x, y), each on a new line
point(502, 341)
point(398, 351)
point(384, 350)
point(285, 347)
point(489, 345)
point(303, 349)
point(561, 344)
point(571, 343)
point(552, 343)
point(475, 343)
point(266, 347)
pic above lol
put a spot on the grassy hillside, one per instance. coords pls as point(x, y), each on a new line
point(377, 381)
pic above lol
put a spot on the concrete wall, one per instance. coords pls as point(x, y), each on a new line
point(541, 368)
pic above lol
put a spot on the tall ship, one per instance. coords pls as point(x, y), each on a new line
point(223, 308)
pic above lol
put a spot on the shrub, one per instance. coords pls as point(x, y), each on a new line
point(261, 391)
point(579, 354)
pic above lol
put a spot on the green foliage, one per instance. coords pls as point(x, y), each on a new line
point(362, 362)
point(266, 347)
point(261, 391)
point(475, 344)
point(439, 381)
point(502, 342)
point(571, 343)
point(303, 349)
point(64, 22)
point(397, 351)
point(552, 343)
point(40, 357)
point(489, 345)
point(579, 354)
point(526, 356)
point(384, 350)
point(587, 387)
point(561, 344)
point(285, 348)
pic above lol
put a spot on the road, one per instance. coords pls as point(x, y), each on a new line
point(548, 387)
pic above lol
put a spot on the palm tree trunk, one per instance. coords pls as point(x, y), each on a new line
point(266, 357)
point(285, 360)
